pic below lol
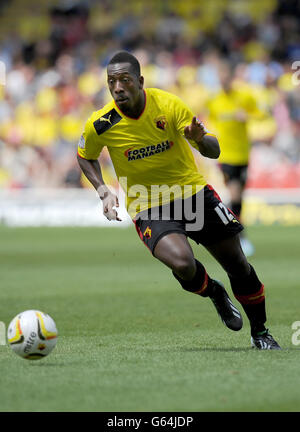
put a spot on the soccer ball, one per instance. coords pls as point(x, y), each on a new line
point(32, 334)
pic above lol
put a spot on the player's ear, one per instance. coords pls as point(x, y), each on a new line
point(141, 82)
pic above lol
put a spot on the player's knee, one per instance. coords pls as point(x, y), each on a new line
point(184, 266)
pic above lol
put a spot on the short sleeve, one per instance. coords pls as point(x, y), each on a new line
point(184, 117)
point(89, 145)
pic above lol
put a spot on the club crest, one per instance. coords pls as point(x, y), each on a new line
point(147, 232)
point(161, 122)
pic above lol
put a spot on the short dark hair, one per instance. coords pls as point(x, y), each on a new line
point(126, 57)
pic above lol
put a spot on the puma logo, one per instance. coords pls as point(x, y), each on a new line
point(106, 119)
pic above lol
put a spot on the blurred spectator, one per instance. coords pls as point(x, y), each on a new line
point(56, 75)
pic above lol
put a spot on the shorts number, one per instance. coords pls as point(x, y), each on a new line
point(223, 213)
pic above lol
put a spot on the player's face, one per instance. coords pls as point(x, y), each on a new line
point(225, 77)
point(125, 87)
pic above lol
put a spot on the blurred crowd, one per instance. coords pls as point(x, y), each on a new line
point(55, 54)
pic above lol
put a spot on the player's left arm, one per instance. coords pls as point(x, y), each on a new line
point(207, 144)
point(195, 132)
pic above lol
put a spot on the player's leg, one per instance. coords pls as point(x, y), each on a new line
point(175, 251)
point(235, 178)
point(167, 241)
point(220, 235)
point(235, 189)
point(246, 287)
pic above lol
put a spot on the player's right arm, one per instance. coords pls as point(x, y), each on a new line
point(89, 150)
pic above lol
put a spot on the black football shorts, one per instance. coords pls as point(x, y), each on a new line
point(234, 172)
point(212, 223)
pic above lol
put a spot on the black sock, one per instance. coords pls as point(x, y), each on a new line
point(200, 284)
point(249, 291)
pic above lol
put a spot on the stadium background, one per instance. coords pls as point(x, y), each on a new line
point(129, 338)
point(55, 54)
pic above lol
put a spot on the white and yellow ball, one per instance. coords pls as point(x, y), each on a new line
point(32, 334)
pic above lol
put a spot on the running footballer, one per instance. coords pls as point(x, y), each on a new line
point(147, 133)
point(229, 111)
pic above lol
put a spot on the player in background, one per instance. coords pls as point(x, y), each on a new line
point(229, 112)
point(147, 133)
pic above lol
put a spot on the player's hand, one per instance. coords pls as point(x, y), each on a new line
point(195, 131)
point(109, 201)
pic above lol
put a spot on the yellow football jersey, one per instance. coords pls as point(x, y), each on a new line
point(232, 133)
point(148, 152)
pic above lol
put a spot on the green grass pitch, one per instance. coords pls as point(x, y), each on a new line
point(130, 339)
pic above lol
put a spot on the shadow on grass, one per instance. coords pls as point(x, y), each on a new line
point(52, 364)
point(234, 349)
point(203, 349)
